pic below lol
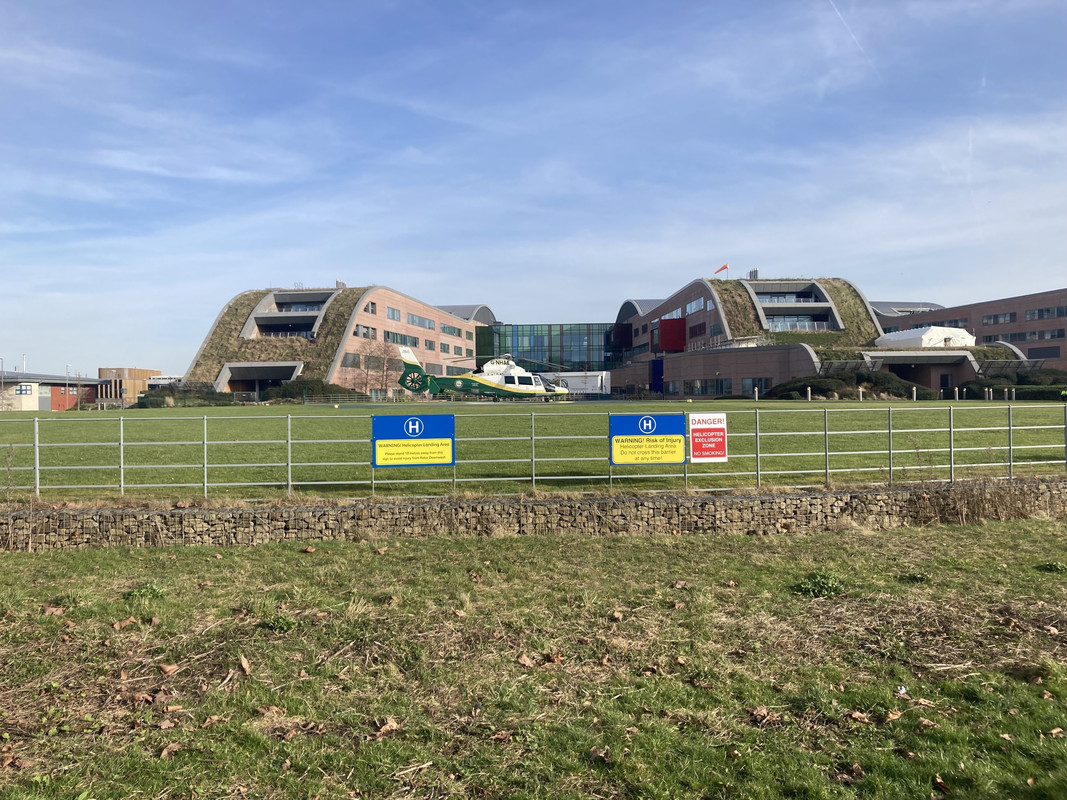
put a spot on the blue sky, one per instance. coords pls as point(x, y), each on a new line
point(549, 159)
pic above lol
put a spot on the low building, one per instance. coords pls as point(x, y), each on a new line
point(122, 386)
point(1035, 323)
point(28, 391)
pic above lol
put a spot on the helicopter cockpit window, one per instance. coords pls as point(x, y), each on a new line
point(525, 380)
point(537, 380)
point(509, 379)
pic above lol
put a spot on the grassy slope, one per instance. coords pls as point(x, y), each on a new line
point(225, 343)
point(738, 308)
point(557, 667)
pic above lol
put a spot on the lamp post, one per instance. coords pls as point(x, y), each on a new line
point(66, 390)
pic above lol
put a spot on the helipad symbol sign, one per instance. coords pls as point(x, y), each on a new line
point(424, 441)
point(707, 437)
point(647, 439)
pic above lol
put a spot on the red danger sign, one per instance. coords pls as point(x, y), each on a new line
point(707, 437)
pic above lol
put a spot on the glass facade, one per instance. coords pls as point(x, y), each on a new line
point(577, 347)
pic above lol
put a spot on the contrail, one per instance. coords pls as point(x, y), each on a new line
point(870, 61)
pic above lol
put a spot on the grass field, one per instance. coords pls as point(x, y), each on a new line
point(270, 452)
point(922, 663)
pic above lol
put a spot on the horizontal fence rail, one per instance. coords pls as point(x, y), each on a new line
point(258, 457)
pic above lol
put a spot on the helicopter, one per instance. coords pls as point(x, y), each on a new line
point(499, 377)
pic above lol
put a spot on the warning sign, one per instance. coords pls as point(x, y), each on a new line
point(647, 449)
point(412, 452)
point(416, 441)
point(707, 437)
point(647, 439)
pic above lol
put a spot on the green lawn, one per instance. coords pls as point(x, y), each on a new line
point(918, 663)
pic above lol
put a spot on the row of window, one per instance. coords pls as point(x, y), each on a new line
point(1052, 312)
point(713, 387)
point(421, 322)
point(786, 297)
point(392, 337)
point(290, 307)
point(1025, 336)
point(999, 319)
point(798, 322)
point(709, 387)
point(945, 323)
point(378, 363)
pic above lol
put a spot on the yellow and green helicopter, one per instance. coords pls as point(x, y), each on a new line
point(497, 378)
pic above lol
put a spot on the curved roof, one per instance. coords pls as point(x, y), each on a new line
point(636, 308)
point(477, 312)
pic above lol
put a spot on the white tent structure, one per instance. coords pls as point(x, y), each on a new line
point(931, 336)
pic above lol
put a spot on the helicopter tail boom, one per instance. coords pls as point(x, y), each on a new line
point(414, 377)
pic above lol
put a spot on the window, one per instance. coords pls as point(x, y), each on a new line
point(400, 338)
point(676, 314)
point(422, 322)
point(445, 348)
point(470, 353)
point(392, 313)
point(750, 385)
point(509, 380)
point(363, 332)
point(698, 330)
point(455, 371)
point(671, 388)
point(434, 369)
point(350, 360)
point(24, 388)
point(998, 319)
point(1047, 313)
point(470, 336)
point(371, 307)
point(451, 330)
point(694, 306)
point(710, 387)
point(1043, 352)
point(429, 344)
point(525, 380)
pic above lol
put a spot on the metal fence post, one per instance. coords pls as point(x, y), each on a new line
point(951, 447)
point(122, 457)
point(826, 441)
point(611, 477)
point(205, 456)
point(759, 482)
point(36, 457)
point(1011, 447)
point(890, 410)
point(289, 453)
point(533, 451)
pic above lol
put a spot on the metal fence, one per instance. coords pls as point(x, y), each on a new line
point(329, 453)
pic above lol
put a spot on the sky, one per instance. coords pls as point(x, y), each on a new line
point(548, 158)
